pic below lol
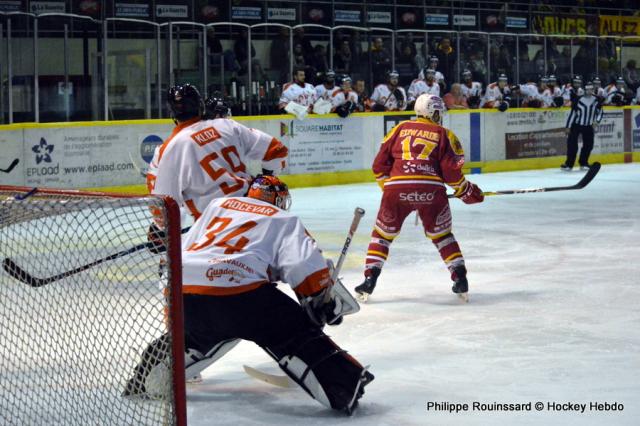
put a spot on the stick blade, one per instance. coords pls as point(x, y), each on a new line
point(272, 379)
point(588, 177)
point(20, 274)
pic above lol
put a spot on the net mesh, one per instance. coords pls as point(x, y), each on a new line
point(79, 350)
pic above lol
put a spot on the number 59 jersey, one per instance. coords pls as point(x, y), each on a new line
point(205, 159)
point(241, 243)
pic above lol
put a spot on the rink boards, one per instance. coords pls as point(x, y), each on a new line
point(324, 150)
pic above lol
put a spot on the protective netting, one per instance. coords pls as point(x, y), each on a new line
point(69, 347)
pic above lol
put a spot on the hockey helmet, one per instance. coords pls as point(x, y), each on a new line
point(466, 75)
point(434, 59)
point(329, 76)
point(577, 81)
point(552, 79)
point(345, 79)
point(184, 102)
point(597, 82)
point(427, 105)
point(271, 190)
point(216, 107)
point(502, 80)
point(619, 82)
point(393, 75)
point(429, 72)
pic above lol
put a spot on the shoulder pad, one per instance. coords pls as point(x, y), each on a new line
point(454, 142)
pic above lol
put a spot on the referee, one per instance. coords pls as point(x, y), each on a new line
point(585, 110)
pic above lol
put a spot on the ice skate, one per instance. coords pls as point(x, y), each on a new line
point(565, 167)
point(365, 289)
point(461, 288)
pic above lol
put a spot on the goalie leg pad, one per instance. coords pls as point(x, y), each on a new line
point(324, 370)
point(195, 362)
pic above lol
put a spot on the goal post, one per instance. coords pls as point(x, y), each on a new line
point(70, 345)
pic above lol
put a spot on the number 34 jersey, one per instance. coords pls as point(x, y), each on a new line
point(239, 244)
point(205, 159)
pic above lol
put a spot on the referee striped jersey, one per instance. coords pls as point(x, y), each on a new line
point(584, 112)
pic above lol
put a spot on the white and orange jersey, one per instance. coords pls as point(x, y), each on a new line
point(566, 93)
point(610, 91)
point(205, 159)
point(323, 93)
point(382, 95)
point(418, 87)
point(636, 100)
point(438, 75)
point(241, 243)
point(530, 92)
point(473, 88)
point(549, 95)
point(293, 92)
point(493, 95)
point(341, 97)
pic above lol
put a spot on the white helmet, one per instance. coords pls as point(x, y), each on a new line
point(426, 106)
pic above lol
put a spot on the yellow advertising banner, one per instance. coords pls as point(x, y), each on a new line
point(619, 25)
point(562, 25)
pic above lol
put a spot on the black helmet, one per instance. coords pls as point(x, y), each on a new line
point(330, 76)
point(184, 102)
point(216, 107)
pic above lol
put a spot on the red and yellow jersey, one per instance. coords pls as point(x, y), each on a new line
point(417, 153)
point(241, 243)
point(205, 159)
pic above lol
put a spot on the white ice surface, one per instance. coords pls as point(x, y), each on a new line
point(554, 287)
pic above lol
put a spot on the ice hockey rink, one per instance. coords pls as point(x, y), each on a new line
point(553, 314)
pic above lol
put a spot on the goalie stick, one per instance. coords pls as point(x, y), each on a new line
point(11, 166)
point(23, 276)
point(285, 381)
point(586, 179)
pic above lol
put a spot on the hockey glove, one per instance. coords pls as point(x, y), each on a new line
point(378, 108)
point(266, 172)
point(342, 111)
point(503, 106)
point(156, 237)
point(321, 313)
point(399, 96)
point(469, 193)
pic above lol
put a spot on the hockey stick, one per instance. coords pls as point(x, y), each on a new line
point(21, 275)
point(358, 213)
point(586, 179)
point(11, 166)
point(285, 381)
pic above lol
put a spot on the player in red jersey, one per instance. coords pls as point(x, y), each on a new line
point(416, 160)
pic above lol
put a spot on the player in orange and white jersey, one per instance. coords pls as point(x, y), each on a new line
point(298, 91)
point(344, 100)
point(232, 257)
point(389, 96)
point(552, 95)
point(496, 93)
point(328, 87)
point(427, 85)
point(206, 159)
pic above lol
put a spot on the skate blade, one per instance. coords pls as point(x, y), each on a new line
point(464, 297)
point(362, 297)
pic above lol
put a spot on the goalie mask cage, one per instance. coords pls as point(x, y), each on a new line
point(69, 347)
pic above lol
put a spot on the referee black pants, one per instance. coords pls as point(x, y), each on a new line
point(572, 144)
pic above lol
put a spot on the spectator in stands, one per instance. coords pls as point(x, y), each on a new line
point(279, 54)
point(478, 67)
point(342, 59)
point(242, 56)
point(606, 74)
point(422, 57)
point(298, 56)
point(404, 42)
point(455, 99)
point(447, 58)
point(305, 44)
point(360, 62)
point(363, 98)
point(318, 60)
point(380, 60)
point(231, 65)
point(630, 74)
point(585, 58)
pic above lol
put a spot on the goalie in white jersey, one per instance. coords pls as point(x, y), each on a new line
point(206, 159)
point(232, 257)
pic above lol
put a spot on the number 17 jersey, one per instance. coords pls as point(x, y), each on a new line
point(205, 159)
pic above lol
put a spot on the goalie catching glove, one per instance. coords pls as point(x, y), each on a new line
point(321, 312)
point(470, 193)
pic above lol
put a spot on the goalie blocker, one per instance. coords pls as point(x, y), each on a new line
point(232, 256)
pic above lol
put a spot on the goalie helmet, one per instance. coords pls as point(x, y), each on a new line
point(427, 105)
point(184, 102)
point(216, 107)
point(271, 190)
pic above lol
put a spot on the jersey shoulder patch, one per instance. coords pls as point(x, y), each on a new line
point(456, 146)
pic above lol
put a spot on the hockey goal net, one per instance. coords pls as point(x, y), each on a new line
point(74, 326)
